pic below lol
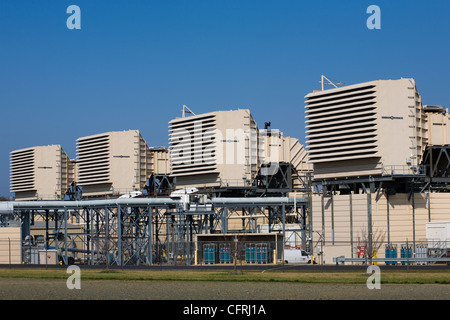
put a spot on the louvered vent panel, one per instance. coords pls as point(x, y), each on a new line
point(93, 160)
point(192, 145)
point(22, 170)
point(341, 125)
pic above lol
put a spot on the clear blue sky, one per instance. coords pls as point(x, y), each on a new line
point(135, 63)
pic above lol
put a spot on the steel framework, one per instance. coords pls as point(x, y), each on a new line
point(144, 231)
point(431, 176)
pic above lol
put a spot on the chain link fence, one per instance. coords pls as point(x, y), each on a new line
point(14, 251)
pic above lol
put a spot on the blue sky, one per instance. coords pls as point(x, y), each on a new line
point(135, 63)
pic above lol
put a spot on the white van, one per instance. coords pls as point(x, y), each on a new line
point(295, 255)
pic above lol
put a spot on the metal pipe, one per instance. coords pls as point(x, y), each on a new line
point(388, 219)
point(9, 206)
point(150, 236)
point(284, 224)
point(332, 215)
point(369, 224)
point(106, 214)
point(258, 200)
point(351, 222)
point(91, 203)
point(119, 235)
point(413, 219)
point(66, 261)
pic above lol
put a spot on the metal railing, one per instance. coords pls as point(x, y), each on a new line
point(392, 170)
point(425, 252)
point(235, 182)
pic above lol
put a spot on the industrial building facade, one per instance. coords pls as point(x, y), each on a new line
point(113, 163)
point(381, 164)
point(374, 172)
point(214, 148)
point(41, 173)
point(342, 221)
point(372, 128)
point(226, 148)
point(106, 164)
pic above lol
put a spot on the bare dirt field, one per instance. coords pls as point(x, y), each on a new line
point(56, 289)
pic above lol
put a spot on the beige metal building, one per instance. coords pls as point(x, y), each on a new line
point(10, 245)
point(40, 173)
point(226, 148)
point(160, 160)
point(370, 147)
point(115, 163)
point(274, 147)
point(372, 128)
point(438, 118)
point(340, 222)
point(214, 149)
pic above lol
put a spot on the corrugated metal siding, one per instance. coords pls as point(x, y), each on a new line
point(10, 245)
point(406, 224)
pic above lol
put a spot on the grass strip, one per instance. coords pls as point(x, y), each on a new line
point(338, 277)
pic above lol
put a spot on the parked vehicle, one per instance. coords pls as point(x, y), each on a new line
point(297, 255)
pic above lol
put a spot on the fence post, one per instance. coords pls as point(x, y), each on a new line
point(369, 224)
point(9, 251)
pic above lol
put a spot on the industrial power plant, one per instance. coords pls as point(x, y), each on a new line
point(370, 185)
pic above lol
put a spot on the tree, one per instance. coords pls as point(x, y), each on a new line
point(366, 243)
